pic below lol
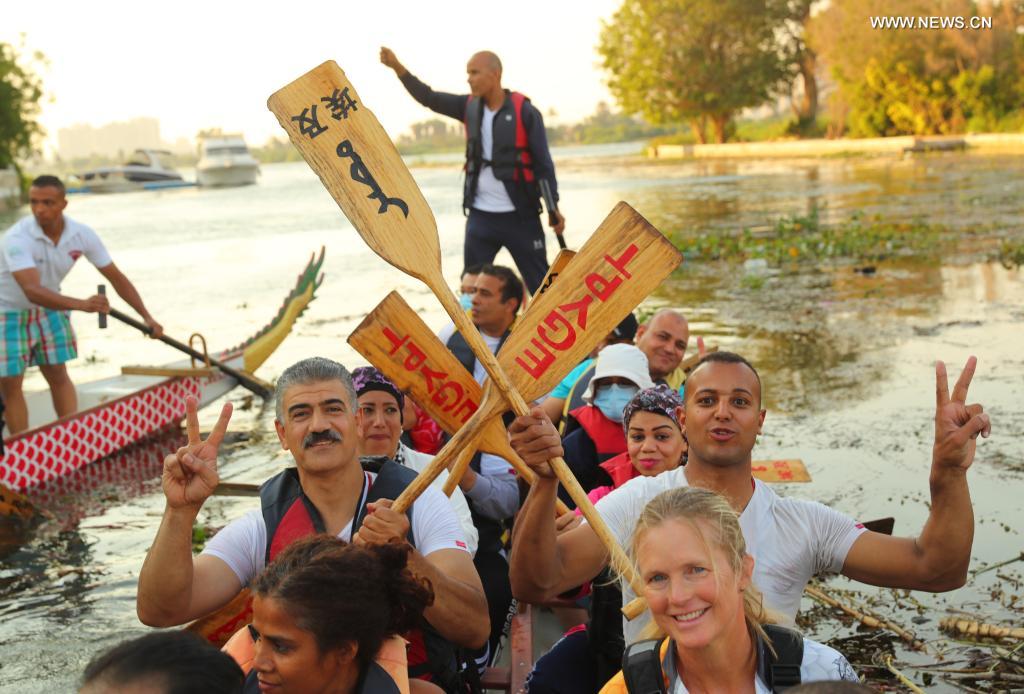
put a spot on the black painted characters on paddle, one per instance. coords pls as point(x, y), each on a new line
point(360, 174)
point(309, 124)
point(340, 103)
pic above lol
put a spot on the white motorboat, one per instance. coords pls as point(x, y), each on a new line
point(225, 160)
point(143, 170)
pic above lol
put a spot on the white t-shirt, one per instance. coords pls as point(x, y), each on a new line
point(791, 540)
point(26, 246)
point(242, 544)
point(479, 372)
point(491, 195)
point(418, 461)
point(820, 663)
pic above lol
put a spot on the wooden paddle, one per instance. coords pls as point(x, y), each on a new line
point(395, 339)
point(366, 176)
point(245, 380)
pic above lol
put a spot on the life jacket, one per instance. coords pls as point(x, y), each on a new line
point(574, 399)
point(491, 531)
point(608, 437)
point(388, 674)
point(458, 346)
point(620, 469)
point(510, 151)
point(643, 673)
point(289, 515)
point(510, 160)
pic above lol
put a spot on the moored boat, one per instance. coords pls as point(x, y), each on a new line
point(226, 161)
point(126, 408)
point(145, 170)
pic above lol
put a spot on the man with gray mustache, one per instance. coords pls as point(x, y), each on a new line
point(326, 491)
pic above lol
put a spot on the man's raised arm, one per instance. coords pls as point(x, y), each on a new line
point(938, 559)
point(174, 588)
point(451, 105)
point(542, 564)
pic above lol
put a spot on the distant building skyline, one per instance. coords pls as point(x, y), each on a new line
point(115, 139)
point(197, 65)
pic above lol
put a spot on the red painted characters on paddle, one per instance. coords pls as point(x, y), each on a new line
point(556, 333)
point(447, 393)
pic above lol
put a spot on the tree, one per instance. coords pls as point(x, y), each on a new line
point(922, 81)
point(21, 91)
point(795, 15)
point(695, 61)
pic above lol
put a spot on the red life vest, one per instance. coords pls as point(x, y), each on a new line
point(620, 469)
point(608, 437)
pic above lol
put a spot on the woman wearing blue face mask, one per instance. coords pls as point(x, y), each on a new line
point(594, 431)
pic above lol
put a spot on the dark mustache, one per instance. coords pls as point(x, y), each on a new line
point(316, 437)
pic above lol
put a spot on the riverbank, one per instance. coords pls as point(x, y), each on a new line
point(996, 143)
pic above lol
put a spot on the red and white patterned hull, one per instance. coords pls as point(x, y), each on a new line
point(61, 447)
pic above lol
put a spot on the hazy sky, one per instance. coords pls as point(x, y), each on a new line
point(206, 64)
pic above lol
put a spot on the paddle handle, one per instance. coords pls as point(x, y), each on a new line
point(549, 202)
point(619, 561)
point(102, 317)
point(246, 381)
point(464, 444)
point(459, 469)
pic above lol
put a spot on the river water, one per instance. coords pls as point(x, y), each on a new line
point(847, 360)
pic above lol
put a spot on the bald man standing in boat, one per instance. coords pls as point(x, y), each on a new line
point(35, 327)
point(507, 160)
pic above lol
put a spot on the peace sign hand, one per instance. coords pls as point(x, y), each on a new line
point(190, 474)
point(957, 424)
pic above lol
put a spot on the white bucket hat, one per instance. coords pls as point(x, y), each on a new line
point(626, 361)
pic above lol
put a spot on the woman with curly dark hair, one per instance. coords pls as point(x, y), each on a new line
point(322, 612)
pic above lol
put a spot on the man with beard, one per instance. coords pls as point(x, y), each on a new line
point(328, 491)
point(790, 539)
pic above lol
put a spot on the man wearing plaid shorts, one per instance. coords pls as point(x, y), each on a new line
point(38, 252)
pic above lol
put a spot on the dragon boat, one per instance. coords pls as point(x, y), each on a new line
point(134, 405)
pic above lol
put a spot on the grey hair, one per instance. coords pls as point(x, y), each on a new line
point(311, 370)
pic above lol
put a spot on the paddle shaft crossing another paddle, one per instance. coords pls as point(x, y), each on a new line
point(245, 381)
point(363, 171)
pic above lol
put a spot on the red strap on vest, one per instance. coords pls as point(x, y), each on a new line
point(522, 142)
point(608, 437)
point(525, 161)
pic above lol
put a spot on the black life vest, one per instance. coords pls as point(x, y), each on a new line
point(289, 515)
point(643, 672)
point(458, 346)
point(510, 160)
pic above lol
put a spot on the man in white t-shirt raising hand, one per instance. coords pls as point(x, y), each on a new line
point(790, 539)
point(38, 252)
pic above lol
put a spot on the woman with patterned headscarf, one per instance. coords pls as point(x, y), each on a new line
point(379, 421)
